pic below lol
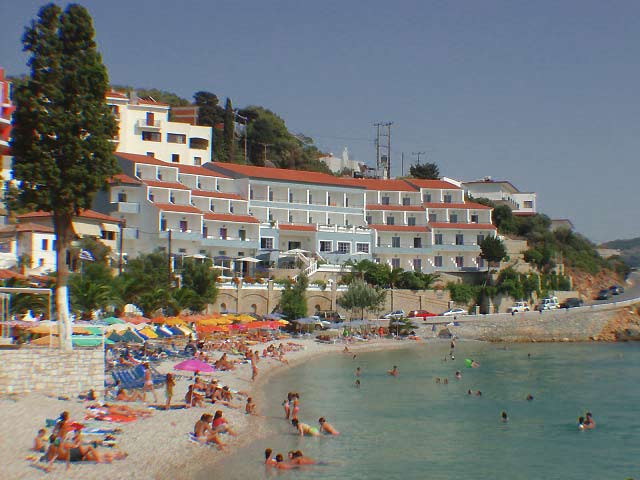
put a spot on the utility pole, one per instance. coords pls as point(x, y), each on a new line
point(402, 164)
point(417, 154)
point(388, 125)
point(377, 125)
point(265, 145)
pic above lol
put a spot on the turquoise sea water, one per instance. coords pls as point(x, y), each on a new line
point(409, 427)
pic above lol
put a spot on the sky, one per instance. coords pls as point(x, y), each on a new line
point(543, 94)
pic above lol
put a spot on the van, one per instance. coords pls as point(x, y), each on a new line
point(549, 303)
point(329, 316)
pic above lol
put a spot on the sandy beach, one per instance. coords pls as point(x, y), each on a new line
point(158, 446)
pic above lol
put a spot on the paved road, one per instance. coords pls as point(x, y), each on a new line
point(631, 291)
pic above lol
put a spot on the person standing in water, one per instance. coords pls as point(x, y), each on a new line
point(504, 417)
point(394, 371)
point(358, 372)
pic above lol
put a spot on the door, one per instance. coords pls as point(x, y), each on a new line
point(294, 245)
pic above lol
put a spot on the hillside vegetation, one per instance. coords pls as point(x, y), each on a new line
point(629, 250)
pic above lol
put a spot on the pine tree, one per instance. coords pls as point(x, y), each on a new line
point(62, 129)
point(229, 131)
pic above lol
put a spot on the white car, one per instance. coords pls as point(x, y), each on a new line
point(550, 303)
point(395, 315)
point(453, 312)
point(519, 307)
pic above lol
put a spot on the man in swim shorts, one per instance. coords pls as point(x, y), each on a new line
point(326, 427)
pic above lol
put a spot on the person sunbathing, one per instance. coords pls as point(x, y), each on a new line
point(220, 424)
point(123, 396)
point(193, 399)
point(40, 442)
point(205, 434)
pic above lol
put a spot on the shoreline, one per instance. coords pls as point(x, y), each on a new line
point(158, 446)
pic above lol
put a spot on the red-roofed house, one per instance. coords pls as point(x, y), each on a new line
point(30, 245)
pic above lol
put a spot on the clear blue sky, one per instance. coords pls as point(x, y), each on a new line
point(544, 94)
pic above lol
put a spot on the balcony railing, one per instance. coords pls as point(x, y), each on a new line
point(156, 125)
point(128, 207)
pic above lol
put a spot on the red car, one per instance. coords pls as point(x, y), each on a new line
point(420, 314)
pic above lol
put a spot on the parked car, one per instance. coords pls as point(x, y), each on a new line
point(420, 314)
point(329, 316)
point(572, 302)
point(395, 315)
point(604, 294)
point(616, 289)
point(549, 303)
point(454, 311)
point(519, 307)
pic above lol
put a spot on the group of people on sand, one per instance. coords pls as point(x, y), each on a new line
point(66, 444)
point(209, 428)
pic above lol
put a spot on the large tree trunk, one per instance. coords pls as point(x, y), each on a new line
point(64, 233)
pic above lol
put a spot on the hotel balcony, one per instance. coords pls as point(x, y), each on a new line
point(127, 207)
point(231, 242)
point(154, 126)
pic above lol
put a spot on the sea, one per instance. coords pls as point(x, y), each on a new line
point(411, 427)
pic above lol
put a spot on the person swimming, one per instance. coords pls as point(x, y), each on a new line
point(504, 417)
point(326, 427)
point(589, 422)
point(394, 371)
point(268, 461)
point(581, 426)
point(357, 383)
point(529, 397)
point(305, 429)
point(458, 375)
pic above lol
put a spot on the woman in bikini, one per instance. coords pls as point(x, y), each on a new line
point(296, 406)
point(287, 405)
point(148, 384)
point(305, 429)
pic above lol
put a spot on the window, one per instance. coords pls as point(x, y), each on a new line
point(426, 197)
point(328, 220)
point(437, 261)
point(223, 233)
point(344, 247)
point(202, 252)
point(417, 265)
point(290, 218)
point(230, 207)
point(270, 216)
point(346, 201)
point(437, 240)
point(107, 235)
point(159, 176)
point(326, 246)
point(151, 136)
point(266, 243)
point(395, 242)
point(385, 200)
point(460, 262)
point(391, 221)
point(479, 239)
point(175, 158)
point(369, 219)
point(183, 225)
point(447, 198)
point(122, 197)
point(45, 244)
point(205, 232)
point(453, 218)
point(150, 119)
point(251, 194)
point(242, 234)
point(40, 262)
point(182, 250)
point(152, 197)
point(417, 242)
point(270, 195)
point(172, 199)
point(310, 198)
point(362, 247)
point(163, 224)
point(395, 263)
point(528, 204)
point(411, 221)
point(310, 219)
point(433, 217)
point(149, 154)
point(459, 239)
point(197, 160)
point(290, 197)
point(480, 262)
point(294, 245)
point(474, 218)
point(406, 201)
point(176, 138)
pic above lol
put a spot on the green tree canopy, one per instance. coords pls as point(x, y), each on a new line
point(293, 303)
point(62, 129)
point(492, 249)
point(362, 296)
point(428, 171)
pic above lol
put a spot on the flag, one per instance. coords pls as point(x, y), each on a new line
point(86, 255)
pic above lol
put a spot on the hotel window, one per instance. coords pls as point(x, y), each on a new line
point(459, 239)
point(395, 242)
point(151, 137)
point(223, 233)
point(172, 199)
point(266, 243)
point(182, 250)
point(411, 221)
point(184, 226)
point(328, 199)
point(290, 218)
point(453, 218)
point(310, 198)
point(369, 219)
point(437, 240)
point(122, 197)
point(437, 261)
point(175, 158)
point(159, 176)
point(406, 201)
point(152, 197)
point(270, 217)
point(150, 119)
point(417, 265)
point(391, 221)
point(426, 197)
point(395, 263)
point(460, 262)
point(346, 201)
point(230, 207)
point(528, 204)
point(290, 197)
point(447, 198)
point(474, 218)
point(163, 224)
point(45, 244)
point(417, 242)
point(433, 217)
point(344, 247)
point(385, 200)
point(271, 195)
point(242, 234)
point(326, 246)
point(197, 161)
point(362, 247)
point(479, 239)
point(251, 194)
point(176, 138)
point(328, 220)
point(205, 232)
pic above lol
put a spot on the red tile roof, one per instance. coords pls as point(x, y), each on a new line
point(462, 226)
point(6, 274)
point(439, 184)
point(298, 227)
point(205, 193)
point(83, 214)
point(281, 174)
point(382, 184)
point(163, 184)
point(145, 101)
point(401, 208)
point(113, 94)
point(172, 207)
point(223, 217)
point(134, 157)
point(34, 227)
point(120, 178)
point(199, 170)
point(400, 228)
point(465, 206)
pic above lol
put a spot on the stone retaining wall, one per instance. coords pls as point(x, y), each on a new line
point(39, 369)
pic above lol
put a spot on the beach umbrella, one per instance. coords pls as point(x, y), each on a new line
point(158, 320)
point(175, 330)
point(164, 331)
point(194, 365)
point(173, 321)
point(148, 332)
point(114, 337)
point(46, 340)
point(238, 326)
point(43, 329)
point(112, 321)
point(136, 320)
point(212, 328)
point(245, 318)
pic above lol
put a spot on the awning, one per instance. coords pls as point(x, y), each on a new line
point(110, 227)
point(87, 229)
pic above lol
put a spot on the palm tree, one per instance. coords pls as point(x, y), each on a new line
point(87, 295)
